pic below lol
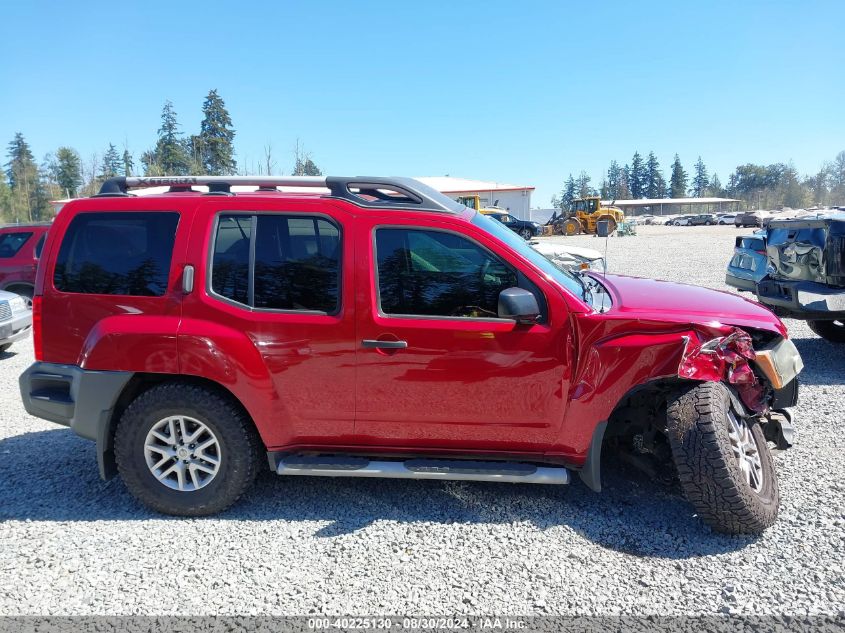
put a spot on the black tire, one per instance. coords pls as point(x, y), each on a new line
point(5, 348)
point(710, 475)
point(833, 331)
point(239, 442)
point(526, 234)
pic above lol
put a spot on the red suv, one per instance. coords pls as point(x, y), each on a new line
point(372, 327)
point(20, 249)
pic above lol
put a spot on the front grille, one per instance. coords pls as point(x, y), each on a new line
point(5, 311)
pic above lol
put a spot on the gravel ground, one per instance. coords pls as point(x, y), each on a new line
point(71, 544)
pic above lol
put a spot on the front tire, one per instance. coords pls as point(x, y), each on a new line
point(724, 463)
point(186, 450)
point(833, 331)
point(526, 234)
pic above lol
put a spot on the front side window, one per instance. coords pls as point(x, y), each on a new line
point(278, 262)
point(434, 273)
point(117, 254)
point(11, 243)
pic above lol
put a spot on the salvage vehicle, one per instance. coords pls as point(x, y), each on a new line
point(15, 319)
point(806, 278)
point(20, 248)
point(575, 258)
point(749, 262)
point(377, 328)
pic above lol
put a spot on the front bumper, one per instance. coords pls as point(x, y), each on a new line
point(82, 399)
point(16, 328)
point(802, 299)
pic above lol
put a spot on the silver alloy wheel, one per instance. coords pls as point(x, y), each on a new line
point(746, 451)
point(182, 453)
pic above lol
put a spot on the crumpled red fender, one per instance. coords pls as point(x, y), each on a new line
point(726, 358)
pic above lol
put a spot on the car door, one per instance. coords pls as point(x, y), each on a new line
point(272, 314)
point(437, 368)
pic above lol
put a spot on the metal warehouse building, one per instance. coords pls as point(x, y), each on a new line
point(514, 198)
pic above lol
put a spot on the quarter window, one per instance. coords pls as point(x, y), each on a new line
point(278, 262)
point(117, 254)
point(11, 243)
point(433, 273)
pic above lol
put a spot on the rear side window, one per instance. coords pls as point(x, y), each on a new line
point(11, 243)
point(117, 254)
point(278, 262)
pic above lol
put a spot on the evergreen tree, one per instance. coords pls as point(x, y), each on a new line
point(583, 187)
point(700, 179)
point(215, 138)
point(5, 201)
point(614, 180)
point(678, 181)
point(169, 154)
point(306, 167)
point(637, 177)
point(655, 186)
point(67, 171)
point(112, 163)
point(567, 194)
point(715, 189)
point(29, 198)
point(624, 192)
point(128, 163)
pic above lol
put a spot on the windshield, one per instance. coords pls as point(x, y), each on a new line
point(504, 234)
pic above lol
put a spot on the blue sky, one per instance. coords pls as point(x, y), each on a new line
point(521, 92)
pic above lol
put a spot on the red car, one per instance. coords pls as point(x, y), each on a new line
point(20, 249)
point(372, 327)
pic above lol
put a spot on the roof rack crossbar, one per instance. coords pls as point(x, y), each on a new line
point(370, 192)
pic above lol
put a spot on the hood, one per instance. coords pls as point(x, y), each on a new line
point(550, 250)
point(655, 300)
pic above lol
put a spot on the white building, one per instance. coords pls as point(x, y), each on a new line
point(514, 198)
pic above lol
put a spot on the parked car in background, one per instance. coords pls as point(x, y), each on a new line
point(526, 229)
point(750, 218)
point(20, 249)
point(15, 319)
point(806, 278)
point(643, 219)
point(748, 263)
point(381, 329)
point(703, 219)
point(681, 220)
point(727, 218)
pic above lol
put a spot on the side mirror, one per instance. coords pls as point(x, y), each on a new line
point(518, 304)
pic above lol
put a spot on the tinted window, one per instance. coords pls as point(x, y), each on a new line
point(117, 254)
point(11, 243)
point(296, 264)
point(433, 273)
point(230, 268)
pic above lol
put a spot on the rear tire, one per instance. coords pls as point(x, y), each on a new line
point(234, 457)
point(526, 234)
point(833, 331)
point(5, 348)
point(727, 476)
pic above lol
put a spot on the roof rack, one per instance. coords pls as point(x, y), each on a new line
point(368, 192)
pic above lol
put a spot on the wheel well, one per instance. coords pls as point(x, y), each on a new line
point(636, 428)
point(20, 288)
point(141, 382)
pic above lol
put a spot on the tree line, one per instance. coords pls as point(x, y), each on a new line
point(758, 186)
point(28, 186)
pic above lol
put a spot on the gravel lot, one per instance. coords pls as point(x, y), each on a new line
point(71, 544)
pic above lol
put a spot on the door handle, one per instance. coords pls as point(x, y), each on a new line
point(376, 344)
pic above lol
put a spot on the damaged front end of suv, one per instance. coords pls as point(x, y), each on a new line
point(703, 382)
